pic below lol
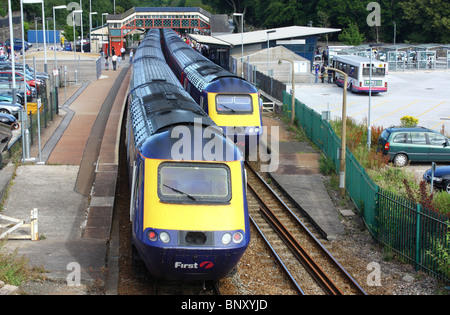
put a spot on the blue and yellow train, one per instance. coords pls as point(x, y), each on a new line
point(188, 187)
point(230, 101)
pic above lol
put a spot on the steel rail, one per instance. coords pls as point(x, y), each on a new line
point(354, 284)
point(280, 261)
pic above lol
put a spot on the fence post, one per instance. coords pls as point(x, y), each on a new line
point(419, 208)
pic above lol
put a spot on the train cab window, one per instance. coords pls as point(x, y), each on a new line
point(234, 104)
point(194, 183)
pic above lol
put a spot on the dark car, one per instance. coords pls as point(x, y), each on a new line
point(9, 120)
point(441, 178)
point(417, 144)
point(18, 44)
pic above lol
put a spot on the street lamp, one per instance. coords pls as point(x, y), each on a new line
point(293, 89)
point(103, 14)
point(81, 43)
point(343, 133)
point(90, 30)
point(43, 29)
point(242, 41)
point(75, 44)
point(36, 18)
point(54, 30)
point(269, 32)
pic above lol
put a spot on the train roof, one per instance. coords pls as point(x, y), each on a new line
point(158, 105)
point(199, 70)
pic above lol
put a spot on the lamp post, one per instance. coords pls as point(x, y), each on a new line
point(81, 42)
point(103, 14)
point(343, 133)
point(242, 41)
point(269, 32)
point(43, 29)
point(54, 30)
point(90, 29)
point(293, 89)
point(74, 44)
point(36, 18)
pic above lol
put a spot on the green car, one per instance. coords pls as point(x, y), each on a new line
point(417, 144)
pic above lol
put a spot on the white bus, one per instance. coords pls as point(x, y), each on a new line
point(358, 71)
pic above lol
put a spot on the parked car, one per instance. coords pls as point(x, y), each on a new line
point(9, 120)
point(7, 65)
point(414, 144)
point(6, 97)
point(441, 178)
point(11, 109)
point(7, 75)
point(6, 86)
point(18, 44)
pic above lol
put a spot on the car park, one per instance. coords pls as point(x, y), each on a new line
point(416, 144)
point(441, 177)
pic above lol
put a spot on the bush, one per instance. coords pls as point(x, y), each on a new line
point(326, 165)
point(409, 121)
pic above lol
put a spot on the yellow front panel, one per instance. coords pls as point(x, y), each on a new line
point(192, 217)
point(243, 120)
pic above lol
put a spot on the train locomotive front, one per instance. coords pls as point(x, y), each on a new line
point(188, 200)
point(230, 101)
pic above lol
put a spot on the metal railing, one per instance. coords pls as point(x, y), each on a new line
point(419, 235)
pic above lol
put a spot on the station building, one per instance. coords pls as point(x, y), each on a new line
point(212, 30)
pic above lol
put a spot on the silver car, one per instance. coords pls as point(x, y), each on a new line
point(9, 108)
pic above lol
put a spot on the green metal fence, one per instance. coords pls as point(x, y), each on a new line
point(416, 234)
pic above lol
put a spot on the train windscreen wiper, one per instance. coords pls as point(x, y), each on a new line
point(227, 107)
point(180, 192)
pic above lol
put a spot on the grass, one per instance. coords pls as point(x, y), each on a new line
point(15, 269)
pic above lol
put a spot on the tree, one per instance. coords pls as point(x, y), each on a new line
point(430, 20)
point(351, 35)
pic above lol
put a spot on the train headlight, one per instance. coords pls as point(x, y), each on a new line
point(251, 130)
point(238, 237)
point(152, 236)
point(226, 238)
point(164, 237)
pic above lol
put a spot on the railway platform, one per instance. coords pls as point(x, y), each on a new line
point(73, 187)
point(298, 175)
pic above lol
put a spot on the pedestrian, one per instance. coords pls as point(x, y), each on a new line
point(114, 61)
point(322, 72)
point(131, 55)
point(106, 62)
point(122, 52)
point(316, 72)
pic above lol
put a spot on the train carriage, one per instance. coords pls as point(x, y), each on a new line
point(188, 200)
point(232, 102)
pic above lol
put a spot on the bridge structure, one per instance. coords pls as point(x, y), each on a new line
point(139, 19)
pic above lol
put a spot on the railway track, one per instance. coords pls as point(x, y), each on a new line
point(307, 263)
